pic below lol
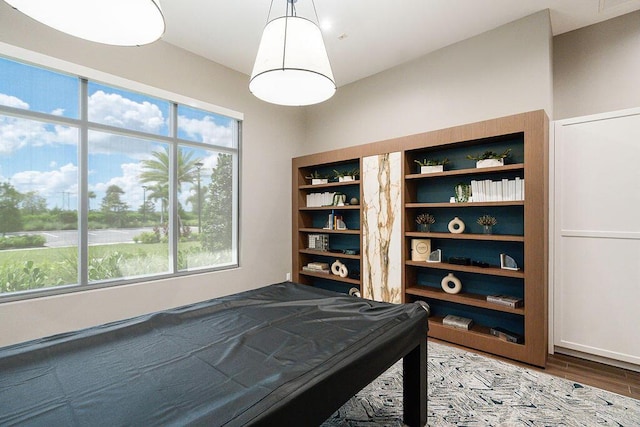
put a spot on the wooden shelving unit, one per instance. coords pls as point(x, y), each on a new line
point(311, 220)
point(521, 232)
point(523, 235)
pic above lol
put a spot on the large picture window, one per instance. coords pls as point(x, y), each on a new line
point(101, 185)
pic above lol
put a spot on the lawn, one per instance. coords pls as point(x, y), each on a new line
point(26, 269)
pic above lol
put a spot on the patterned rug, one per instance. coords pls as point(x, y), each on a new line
point(466, 389)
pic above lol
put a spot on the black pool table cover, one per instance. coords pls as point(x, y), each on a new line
point(285, 354)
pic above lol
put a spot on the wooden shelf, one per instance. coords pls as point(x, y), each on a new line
point(465, 298)
point(476, 333)
point(472, 171)
point(322, 230)
point(467, 236)
point(328, 185)
point(330, 208)
point(328, 254)
point(492, 271)
point(331, 277)
point(464, 205)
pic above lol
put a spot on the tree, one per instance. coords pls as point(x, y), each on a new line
point(33, 204)
point(10, 218)
point(156, 172)
point(113, 207)
point(217, 217)
point(91, 195)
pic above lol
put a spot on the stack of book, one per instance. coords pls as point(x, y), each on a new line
point(497, 191)
point(317, 267)
point(317, 200)
point(457, 322)
point(506, 300)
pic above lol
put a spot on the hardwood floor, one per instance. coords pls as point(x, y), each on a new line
point(610, 378)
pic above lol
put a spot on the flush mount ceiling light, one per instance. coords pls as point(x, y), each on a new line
point(115, 22)
point(292, 67)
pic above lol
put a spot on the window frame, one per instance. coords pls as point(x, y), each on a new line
point(83, 126)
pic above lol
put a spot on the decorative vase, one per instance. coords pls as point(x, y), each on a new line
point(487, 229)
point(431, 169)
point(424, 228)
point(489, 163)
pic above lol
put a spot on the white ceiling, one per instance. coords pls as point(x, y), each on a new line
point(364, 37)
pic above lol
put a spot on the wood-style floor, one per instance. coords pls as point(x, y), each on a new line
point(610, 378)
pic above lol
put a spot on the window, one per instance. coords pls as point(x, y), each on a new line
point(141, 188)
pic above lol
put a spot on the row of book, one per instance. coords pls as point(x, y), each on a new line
point(497, 191)
point(317, 267)
point(317, 200)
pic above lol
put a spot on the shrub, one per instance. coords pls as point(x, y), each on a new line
point(147, 237)
point(22, 241)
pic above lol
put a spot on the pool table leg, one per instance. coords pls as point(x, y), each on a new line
point(414, 368)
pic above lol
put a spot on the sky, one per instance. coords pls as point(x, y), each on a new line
point(43, 157)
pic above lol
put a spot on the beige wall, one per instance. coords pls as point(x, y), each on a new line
point(596, 68)
point(269, 135)
point(498, 73)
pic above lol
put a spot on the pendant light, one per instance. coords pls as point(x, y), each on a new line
point(114, 22)
point(292, 67)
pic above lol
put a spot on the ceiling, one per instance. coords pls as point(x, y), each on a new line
point(365, 37)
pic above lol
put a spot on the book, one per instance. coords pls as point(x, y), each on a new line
point(457, 322)
point(319, 265)
point(506, 335)
point(315, 270)
point(505, 300)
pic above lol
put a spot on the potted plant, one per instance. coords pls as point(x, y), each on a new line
point(424, 221)
point(487, 222)
point(432, 165)
point(346, 176)
point(490, 159)
point(316, 178)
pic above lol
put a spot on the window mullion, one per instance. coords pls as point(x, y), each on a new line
point(83, 185)
point(174, 226)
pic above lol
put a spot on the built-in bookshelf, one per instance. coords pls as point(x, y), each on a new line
point(326, 214)
point(521, 231)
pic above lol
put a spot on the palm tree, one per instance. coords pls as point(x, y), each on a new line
point(156, 172)
point(91, 195)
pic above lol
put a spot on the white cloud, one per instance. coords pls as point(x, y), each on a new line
point(12, 101)
point(16, 133)
point(116, 110)
point(49, 184)
point(206, 130)
point(129, 182)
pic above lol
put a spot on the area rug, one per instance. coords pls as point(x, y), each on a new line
point(466, 389)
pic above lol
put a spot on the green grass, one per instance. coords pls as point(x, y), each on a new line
point(46, 267)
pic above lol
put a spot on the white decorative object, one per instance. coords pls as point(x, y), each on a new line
point(456, 226)
point(435, 256)
point(451, 284)
point(420, 249)
point(489, 163)
point(346, 178)
point(508, 263)
point(339, 269)
point(381, 203)
point(432, 169)
point(292, 66)
point(318, 181)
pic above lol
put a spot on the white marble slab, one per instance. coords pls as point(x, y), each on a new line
point(381, 227)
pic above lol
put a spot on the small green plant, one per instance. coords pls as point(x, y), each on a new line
point(425, 218)
point(487, 220)
point(316, 175)
point(341, 174)
point(432, 162)
point(491, 155)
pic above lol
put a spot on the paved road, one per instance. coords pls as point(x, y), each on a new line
point(61, 238)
